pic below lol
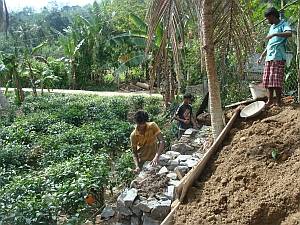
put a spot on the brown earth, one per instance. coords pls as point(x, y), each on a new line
point(152, 185)
point(245, 183)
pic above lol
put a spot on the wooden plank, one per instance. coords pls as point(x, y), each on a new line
point(193, 175)
point(246, 102)
point(240, 103)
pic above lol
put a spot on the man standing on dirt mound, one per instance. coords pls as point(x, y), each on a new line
point(184, 115)
point(275, 55)
point(144, 141)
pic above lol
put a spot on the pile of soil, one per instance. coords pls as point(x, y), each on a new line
point(254, 179)
point(152, 185)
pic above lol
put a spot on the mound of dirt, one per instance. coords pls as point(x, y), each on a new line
point(254, 179)
point(151, 185)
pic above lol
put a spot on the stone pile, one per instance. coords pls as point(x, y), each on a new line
point(149, 198)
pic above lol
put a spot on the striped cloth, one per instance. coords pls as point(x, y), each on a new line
point(273, 74)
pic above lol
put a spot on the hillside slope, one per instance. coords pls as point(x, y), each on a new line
point(245, 183)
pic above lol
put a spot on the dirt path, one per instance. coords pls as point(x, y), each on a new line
point(254, 179)
point(99, 93)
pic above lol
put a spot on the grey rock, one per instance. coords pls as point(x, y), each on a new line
point(162, 197)
point(161, 210)
point(182, 148)
point(141, 198)
point(183, 163)
point(183, 157)
point(130, 196)
point(171, 168)
point(164, 157)
point(147, 220)
point(124, 221)
point(136, 209)
point(190, 131)
point(170, 192)
point(172, 176)
point(143, 206)
point(183, 169)
point(147, 206)
point(121, 206)
point(174, 183)
point(173, 154)
point(124, 211)
point(135, 220)
point(197, 155)
point(191, 162)
point(174, 162)
point(107, 213)
point(163, 170)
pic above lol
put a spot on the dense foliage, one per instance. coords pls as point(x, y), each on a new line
point(57, 149)
point(100, 45)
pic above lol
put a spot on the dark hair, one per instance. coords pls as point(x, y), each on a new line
point(141, 117)
point(272, 11)
point(187, 95)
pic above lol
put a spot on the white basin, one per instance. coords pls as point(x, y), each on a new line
point(253, 109)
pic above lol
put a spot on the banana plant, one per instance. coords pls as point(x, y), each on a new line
point(71, 46)
point(136, 42)
point(46, 77)
point(9, 67)
point(29, 70)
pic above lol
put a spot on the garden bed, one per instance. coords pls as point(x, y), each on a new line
point(60, 152)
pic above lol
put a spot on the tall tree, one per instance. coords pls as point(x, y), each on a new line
point(3, 27)
point(4, 19)
point(223, 25)
point(213, 83)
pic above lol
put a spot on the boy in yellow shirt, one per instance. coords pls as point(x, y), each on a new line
point(144, 141)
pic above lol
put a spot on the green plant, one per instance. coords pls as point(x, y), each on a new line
point(274, 154)
point(62, 148)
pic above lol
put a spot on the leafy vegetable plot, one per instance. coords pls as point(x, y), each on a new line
point(61, 149)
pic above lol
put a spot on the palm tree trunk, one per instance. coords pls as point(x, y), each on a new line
point(213, 83)
point(167, 87)
point(172, 86)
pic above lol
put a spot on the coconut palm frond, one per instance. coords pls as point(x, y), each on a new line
point(233, 30)
point(155, 15)
point(170, 14)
